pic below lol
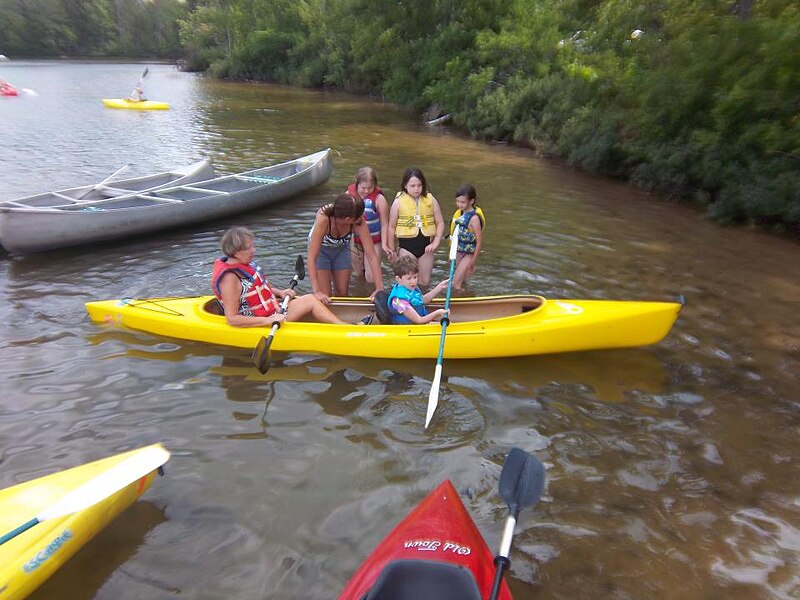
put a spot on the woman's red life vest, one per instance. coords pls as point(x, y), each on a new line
point(257, 299)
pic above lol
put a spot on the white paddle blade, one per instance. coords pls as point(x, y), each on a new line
point(109, 482)
point(454, 242)
point(433, 397)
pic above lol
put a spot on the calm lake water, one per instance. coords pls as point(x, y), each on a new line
point(672, 470)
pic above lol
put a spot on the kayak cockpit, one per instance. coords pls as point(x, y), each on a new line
point(415, 579)
point(463, 310)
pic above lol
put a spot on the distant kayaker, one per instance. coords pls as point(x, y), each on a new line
point(406, 301)
point(247, 297)
point(376, 215)
point(470, 238)
point(137, 95)
point(415, 219)
point(329, 254)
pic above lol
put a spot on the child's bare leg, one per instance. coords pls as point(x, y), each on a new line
point(425, 265)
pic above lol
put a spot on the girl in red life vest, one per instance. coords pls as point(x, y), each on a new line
point(376, 216)
point(247, 297)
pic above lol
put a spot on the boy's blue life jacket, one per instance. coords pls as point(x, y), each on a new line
point(414, 297)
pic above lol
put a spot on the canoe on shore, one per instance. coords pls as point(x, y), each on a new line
point(28, 559)
point(493, 326)
point(26, 229)
point(125, 103)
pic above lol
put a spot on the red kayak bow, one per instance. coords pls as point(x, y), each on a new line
point(436, 551)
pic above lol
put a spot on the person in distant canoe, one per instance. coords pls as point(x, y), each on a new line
point(247, 297)
point(470, 218)
point(415, 219)
point(406, 302)
point(329, 255)
point(376, 215)
point(137, 95)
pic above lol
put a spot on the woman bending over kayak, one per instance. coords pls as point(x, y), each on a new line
point(247, 297)
point(416, 220)
point(329, 247)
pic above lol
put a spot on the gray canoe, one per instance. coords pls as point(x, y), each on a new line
point(30, 229)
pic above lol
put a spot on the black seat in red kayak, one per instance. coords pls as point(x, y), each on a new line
point(418, 579)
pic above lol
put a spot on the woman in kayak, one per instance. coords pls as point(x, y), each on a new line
point(376, 215)
point(470, 218)
point(329, 260)
point(416, 220)
point(247, 297)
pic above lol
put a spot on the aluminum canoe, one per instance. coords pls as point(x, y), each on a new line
point(25, 230)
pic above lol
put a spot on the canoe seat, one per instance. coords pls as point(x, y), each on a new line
point(214, 307)
point(381, 300)
point(418, 579)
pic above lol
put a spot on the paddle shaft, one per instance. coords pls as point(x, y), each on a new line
point(283, 308)
point(22, 528)
point(433, 397)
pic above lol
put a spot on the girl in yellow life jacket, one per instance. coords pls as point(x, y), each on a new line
point(415, 219)
point(470, 238)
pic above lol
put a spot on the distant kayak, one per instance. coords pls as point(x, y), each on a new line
point(134, 105)
point(8, 90)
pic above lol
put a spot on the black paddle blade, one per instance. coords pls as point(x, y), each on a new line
point(299, 267)
point(261, 354)
point(522, 480)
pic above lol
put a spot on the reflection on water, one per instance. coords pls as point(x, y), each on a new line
point(673, 470)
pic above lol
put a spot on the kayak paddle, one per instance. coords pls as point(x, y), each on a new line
point(99, 488)
point(261, 351)
point(521, 485)
point(433, 397)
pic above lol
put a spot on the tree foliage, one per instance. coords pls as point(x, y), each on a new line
point(140, 28)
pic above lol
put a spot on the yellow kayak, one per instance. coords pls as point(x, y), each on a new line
point(134, 104)
point(492, 326)
point(29, 557)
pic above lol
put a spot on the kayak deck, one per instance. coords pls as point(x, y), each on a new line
point(440, 532)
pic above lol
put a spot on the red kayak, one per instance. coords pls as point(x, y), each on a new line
point(7, 90)
point(435, 552)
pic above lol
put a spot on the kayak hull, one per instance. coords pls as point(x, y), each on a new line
point(482, 327)
point(124, 103)
point(27, 560)
point(438, 530)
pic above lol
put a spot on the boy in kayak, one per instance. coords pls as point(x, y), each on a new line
point(406, 301)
